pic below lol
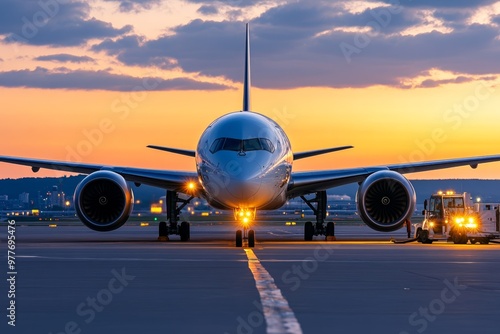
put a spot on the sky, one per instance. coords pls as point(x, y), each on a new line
point(402, 81)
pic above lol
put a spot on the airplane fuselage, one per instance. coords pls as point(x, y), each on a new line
point(244, 161)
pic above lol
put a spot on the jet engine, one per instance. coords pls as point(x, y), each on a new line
point(103, 201)
point(385, 199)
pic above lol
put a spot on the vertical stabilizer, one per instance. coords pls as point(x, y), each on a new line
point(246, 83)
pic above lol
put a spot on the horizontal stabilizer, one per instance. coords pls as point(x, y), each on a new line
point(173, 150)
point(302, 155)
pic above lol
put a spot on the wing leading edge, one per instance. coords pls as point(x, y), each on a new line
point(171, 180)
point(307, 182)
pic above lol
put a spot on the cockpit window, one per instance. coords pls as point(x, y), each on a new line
point(267, 145)
point(252, 145)
point(231, 144)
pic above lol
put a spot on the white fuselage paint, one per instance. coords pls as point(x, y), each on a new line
point(244, 178)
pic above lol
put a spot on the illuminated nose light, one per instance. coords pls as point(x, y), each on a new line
point(244, 215)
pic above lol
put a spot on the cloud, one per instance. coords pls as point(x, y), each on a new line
point(52, 22)
point(440, 3)
point(135, 5)
point(208, 10)
point(231, 3)
point(318, 43)
point(63, 78)
point(64, 57)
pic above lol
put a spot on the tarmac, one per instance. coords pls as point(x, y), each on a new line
point(70, 279)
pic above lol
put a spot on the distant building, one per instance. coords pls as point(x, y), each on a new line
point(24, 198)
point(4, 199)
point(56, 198)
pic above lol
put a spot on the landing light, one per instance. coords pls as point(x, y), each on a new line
point(244, 215)
point(190, 186)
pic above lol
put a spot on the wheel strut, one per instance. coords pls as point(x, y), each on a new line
point(173, 211)
point(319, 211)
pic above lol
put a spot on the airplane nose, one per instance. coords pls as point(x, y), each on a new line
point(243, 189)
point(245, 180)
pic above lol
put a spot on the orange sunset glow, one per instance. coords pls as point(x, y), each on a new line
point(159, 72)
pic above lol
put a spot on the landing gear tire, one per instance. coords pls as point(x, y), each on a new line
point(162, 229)
point(185, 231)
point(251, 238)
point(330, 229)
point(308, 231)
point(239, 238)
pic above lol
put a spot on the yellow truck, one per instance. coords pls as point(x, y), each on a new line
point(451, 216)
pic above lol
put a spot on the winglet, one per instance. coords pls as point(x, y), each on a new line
point(246, 84)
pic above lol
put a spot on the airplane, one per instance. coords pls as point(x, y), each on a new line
point(244, 163)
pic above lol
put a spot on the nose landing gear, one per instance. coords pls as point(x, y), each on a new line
point(245, 216)
point(245, 234)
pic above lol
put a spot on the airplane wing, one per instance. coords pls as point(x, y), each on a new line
point(308, 182)
point(188, 153)
point(307, 154)
point(171, 180)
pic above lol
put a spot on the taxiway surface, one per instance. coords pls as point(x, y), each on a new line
point(73, 280)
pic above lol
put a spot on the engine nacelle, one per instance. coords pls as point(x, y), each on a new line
point(103, 201)
point(385, 199)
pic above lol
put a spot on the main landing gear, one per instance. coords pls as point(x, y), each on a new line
point(173, 211)
point(319, 210)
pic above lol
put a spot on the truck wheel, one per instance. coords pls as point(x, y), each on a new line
point(418, 234)
point(424, 237)
point(484, 241)
point(459, 239)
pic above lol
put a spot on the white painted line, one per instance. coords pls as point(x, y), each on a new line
point(278, 314)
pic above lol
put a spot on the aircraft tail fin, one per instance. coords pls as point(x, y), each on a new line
point(247, 82)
